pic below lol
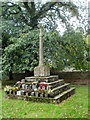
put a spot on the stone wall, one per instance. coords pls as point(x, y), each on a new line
point(19, 76)
point(71, 77)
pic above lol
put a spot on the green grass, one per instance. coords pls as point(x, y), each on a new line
point(74, 107)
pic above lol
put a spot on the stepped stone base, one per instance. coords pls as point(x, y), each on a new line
point(42, 78)
point(55, 91)
point(56, 100)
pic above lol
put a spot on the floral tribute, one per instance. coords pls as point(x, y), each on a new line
point(33, 89)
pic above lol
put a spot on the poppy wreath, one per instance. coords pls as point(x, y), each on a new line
point(43, 84)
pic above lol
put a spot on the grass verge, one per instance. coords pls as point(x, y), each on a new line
point(74, 107)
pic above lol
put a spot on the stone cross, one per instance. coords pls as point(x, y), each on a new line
point(41, 60)
point(41, 70)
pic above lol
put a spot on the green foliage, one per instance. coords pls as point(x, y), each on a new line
point(67, 50)
point(76, 50)
point(22, 54)
point(31, 13)
point(59, 51)
point(88, 39)
point(11, 29)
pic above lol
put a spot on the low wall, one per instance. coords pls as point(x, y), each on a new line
point(19, 76)
point(71, 77)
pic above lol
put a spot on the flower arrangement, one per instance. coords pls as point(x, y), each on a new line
point(13, 88)
point(34, 82)
point(35, 89)
point(50, 91)
point(18, 82)
point(16, 88)
point(26, 90)
point(7, 88)
point(41, 90)
point(22, 82)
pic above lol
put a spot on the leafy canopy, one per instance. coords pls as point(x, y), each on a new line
point(59, 51)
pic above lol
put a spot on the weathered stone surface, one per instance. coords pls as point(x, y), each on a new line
point(56, 83)
point(42, 78)
point(42, 71)
point(41, 50)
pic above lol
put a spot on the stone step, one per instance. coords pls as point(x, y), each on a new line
point(42, 78)
point(59, 98)
point(50, 84)
point(56, 83)
point(60, 89)
point(66, 84)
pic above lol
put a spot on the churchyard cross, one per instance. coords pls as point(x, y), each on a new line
point(41, 59)
point(41, 70)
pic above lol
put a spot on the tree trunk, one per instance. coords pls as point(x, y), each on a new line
point(33, 23)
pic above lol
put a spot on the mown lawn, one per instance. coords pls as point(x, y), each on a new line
point(74, 107)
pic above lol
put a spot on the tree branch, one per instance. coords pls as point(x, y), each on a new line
point(25, 20)
point(46, 7)
point(33, 6)
point(27, 6)
point(61, 16)
point(70, 5)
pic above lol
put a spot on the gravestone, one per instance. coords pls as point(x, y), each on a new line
point(41, 87)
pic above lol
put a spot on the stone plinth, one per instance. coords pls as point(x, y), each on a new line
point(42, 70)
point(48, 89)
